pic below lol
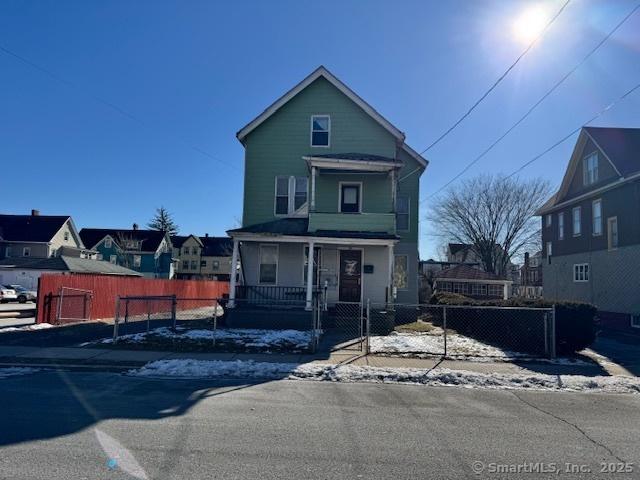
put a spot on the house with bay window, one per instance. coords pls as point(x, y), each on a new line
point(329, 182)
point(591, 227)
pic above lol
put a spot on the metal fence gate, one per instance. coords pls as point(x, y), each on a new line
point(74, 305)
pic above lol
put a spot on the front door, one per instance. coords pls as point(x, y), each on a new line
point(350, 275)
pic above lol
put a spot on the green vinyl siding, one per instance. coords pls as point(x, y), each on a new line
point(409, 186)
point(353, 222)
point(277, 146)
point(376, 192)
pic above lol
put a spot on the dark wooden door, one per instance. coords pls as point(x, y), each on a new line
point(350, 275)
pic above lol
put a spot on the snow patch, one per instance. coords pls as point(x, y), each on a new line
point(26, 328)
point(187, 368)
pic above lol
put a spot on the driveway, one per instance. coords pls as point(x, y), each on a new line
point(69, 425)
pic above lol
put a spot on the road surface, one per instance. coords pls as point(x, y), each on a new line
point(61, 425)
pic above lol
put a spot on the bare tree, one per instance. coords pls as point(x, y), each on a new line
point(493, 214)
point(125, 244)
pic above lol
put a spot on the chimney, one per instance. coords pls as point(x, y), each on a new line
point(35, 213)
point(206, 235)
point(526, 258)
point(135, 226)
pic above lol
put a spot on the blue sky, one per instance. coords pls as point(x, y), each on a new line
point(192, 73)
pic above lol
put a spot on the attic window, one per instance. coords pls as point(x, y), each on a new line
point(320, 130)
point(590, 169)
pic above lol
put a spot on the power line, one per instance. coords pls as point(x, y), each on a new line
point(549, 92)
point(109, 104)
point(566, 137)
point(500, 78)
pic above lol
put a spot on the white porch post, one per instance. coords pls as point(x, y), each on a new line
point(390, 249)
point(309, 277)
point(232, 277)
point(505, 294)
point(313, 189)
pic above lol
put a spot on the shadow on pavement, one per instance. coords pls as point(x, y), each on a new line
point(619, 348)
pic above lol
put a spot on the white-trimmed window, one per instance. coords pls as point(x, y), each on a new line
point(596, 214)
point(320, 130)
point(215, 264)
point(350, 197)
point(185, 250)
point(402, 213)
point(26, 251)
point(194, 250)
point(549, 249)
point(291, 194)
point(549, 220)
point(560, 225)
point(194, 265)
point(203, 264)
point(577, 221)
point(108, 243)
point(495, 290)
point(185, 264)
point(400, 272)
point(590, 169)
point(66, 236)
point(137, 260)
point(268, 270)
point(99, 256)
point(612, 232)
point(113, 259)
point(581, 272)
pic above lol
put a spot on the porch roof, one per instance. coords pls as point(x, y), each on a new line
point(299, 227)
point(353, 161)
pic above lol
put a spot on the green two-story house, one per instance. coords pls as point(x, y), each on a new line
point(326, 173)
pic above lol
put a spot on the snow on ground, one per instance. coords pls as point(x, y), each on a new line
point(26, 328)
point(14, 371)
point(458, 347)
point(249, 338)
point(187, 368)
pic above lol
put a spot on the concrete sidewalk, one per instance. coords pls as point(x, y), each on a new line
point(118, 359)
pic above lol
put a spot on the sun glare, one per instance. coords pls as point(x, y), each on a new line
point(530, 24)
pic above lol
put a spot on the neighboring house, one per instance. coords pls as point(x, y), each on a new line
point(530, 285)
point(472, 282)
point(591, 227)
point(26, 271)
point(202, 258)
point(148, 252)
point(462, 253)
point(327, 177)
point(40, 236)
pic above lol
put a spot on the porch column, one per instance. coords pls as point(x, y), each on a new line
point(313, 190)
point(391, 296)
point(505, 294)
point(309, 277)
point(232, 277)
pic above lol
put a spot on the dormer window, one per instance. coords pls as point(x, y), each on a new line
point(320, 130)
point(590, 169)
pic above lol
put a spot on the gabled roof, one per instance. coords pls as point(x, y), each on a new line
point(178, 240)
point(67, 264)
point(149, 240)
point(620, 146)
point(321, 71)
point(217, 246)
point(466, 272)
point(30, 228)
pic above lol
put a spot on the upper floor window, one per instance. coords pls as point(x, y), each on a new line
point(560, 226)
point(350, 201)
point(577, 224)
point(26, 252)
point(291, 194)
point(215, 264)
point(99, 256)
point(185, 250)
point(185, 264)
point(66, 236)
point(194, 250)
point(194, 265)
point(581, 272)
point(402, 213)
point(108, 243)
point(549, 220)
point(137, 260)
point(320, 130)
point(590, 169)
point(203, 264)
point(597, 217)
point(612, 232)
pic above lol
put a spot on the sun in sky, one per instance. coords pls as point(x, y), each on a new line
point(530, 23)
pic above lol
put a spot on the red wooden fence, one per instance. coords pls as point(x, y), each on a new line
point(106, 289)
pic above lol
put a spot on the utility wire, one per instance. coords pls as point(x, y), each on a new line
point(535, 105)
point(563, 139)
point(500, 78)
point(109, 104)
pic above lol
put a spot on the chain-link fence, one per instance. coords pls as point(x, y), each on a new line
point(342, 325)
point(460, 331)
point(210, 325)
point(74, 305)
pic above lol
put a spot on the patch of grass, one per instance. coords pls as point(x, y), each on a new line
point(415, 327)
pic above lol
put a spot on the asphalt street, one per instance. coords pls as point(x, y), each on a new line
point(97, 425)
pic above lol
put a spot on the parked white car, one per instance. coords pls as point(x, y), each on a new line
point(24, 295)
point(7, 294)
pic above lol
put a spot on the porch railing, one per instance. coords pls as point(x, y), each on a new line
point(257, 294)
